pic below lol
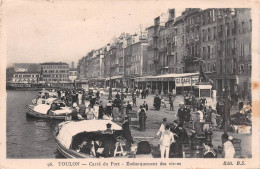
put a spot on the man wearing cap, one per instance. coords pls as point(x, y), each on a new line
point(109, 142)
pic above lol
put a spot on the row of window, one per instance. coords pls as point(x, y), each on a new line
point(56, 75)
point(73, 73)
point(55, 71)
point(55, 67)
point(24, 80)
point(16, 75)
point(55, 80)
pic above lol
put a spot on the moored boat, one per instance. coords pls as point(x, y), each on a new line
point(70, 135)
point(56, 110)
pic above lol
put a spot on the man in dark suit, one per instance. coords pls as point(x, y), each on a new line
point(109, 142)
point(127, 134)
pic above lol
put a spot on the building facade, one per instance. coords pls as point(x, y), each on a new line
point(217, 39)
point(26, 73)
point(26, 77)
point(55, 72)
point(73, 74)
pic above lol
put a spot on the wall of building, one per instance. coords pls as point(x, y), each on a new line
point(55, 72)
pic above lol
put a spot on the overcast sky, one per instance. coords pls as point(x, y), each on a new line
point(44, 31)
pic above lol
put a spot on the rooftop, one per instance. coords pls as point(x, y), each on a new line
point(27, 67)
point(54, 63)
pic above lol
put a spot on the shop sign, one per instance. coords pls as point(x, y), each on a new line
point(186, 81)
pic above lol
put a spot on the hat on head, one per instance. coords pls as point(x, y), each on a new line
point(109, 125)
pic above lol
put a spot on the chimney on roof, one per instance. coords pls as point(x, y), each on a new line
point(72, 64)
point(171, 14)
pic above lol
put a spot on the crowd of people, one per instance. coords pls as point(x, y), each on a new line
point(173, 138)
point(204, 118)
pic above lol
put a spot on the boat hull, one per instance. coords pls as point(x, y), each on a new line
point(68, 153)
point(31, 113)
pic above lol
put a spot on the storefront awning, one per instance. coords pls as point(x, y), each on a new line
point(165, 77)
point(114, 77)
point(174, 75)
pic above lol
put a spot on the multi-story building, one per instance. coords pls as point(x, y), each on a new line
point(192, 31)
point(217, 39)
point(176, 44)
point(81, 66)
point(209, 44)
point(139, 59)
point(73, 74)
point(26, 77)
point(243, 62)
point(150, 51)
point(156, 44)
point(163, 57)
point(53, 72)
point(26, 73)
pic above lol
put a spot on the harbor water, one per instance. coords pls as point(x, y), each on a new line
point(27, 137)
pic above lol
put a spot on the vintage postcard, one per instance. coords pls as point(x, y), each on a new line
point(129, 84)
